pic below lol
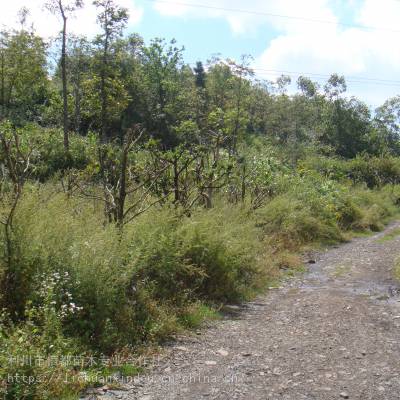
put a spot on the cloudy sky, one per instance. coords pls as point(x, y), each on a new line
point(312, 37)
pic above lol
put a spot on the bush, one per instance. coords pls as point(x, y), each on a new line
point(328, 167)
point(374, 171)
point(49, 157)
point(316, 209)
point(133, 288)
point(32, 357)
point(306, 213)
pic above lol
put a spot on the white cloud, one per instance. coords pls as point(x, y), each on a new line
point(318, 48)
point(254, 12)
point(350, 51)
point(84, 21)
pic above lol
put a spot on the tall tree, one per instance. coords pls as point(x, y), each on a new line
point(240, 84)
point(23, 76)
point(166, 101)
point(200, 75)
point(63, 8)
point(79, 61)
point(112, 19)
point(387, 119)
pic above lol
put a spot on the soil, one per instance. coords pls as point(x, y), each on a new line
point(331, 333)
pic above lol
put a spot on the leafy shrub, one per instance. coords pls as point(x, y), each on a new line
point(316, 209)
point(49, 157)
point(374, 171)
point(305, 213)
point(371, 171)
point(328, 167)
point(32, 354)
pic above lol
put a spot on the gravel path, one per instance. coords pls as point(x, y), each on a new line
point(332, 333)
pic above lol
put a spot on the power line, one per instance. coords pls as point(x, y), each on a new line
point(349, 79)
point(352, 81)
point(282, 16)
point(358, 78)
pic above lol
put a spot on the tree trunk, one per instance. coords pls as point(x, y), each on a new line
point(122, 187)
point(176, 180)
point(77, 116)
point(243, 194)
point(103, 93)
point(64, 81)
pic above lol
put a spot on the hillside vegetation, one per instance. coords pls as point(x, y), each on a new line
point(139, 194)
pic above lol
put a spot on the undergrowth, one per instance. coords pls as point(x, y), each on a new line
point(85, 289)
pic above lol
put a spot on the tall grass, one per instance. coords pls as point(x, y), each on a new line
point(84, 287)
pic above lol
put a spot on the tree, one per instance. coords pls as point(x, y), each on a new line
point(200, 75)
point(307, 87)
point(347, 127)
point(112, 20)
point(240, 84)
point(167, 100)
point(23, 76)
point(335, 86)
point(387, 120)
point(79, 66)
point(64, 8)
point(282, 83)
point(128, 52)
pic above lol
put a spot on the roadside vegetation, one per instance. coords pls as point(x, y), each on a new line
point(139, 194)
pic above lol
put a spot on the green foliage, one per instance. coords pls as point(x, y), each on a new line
point(196, 314)
point(374, 172)
point(129, 290)
point(290, 225)
point(387, 120)
point(86, 287)
point(316, 209)
point(31, 354)
point(23, 76)
point(182, 189)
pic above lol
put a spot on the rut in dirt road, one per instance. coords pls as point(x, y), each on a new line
point(333, 333)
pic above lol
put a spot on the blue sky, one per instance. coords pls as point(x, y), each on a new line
point(337, 44)
point(202, 36)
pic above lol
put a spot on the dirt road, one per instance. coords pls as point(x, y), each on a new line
point(332, 333)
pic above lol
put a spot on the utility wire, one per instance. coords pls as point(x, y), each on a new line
point(375, 81)
point(349, 79)
point(282, 16)
point(366, 82)
point(361, 78)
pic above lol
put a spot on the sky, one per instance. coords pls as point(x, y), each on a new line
point(356, 38)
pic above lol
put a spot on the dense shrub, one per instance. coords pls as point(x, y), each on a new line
point(371, 171)
point(374, 171)
point(317, 209)
point(328, 167)
point(49, 157)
